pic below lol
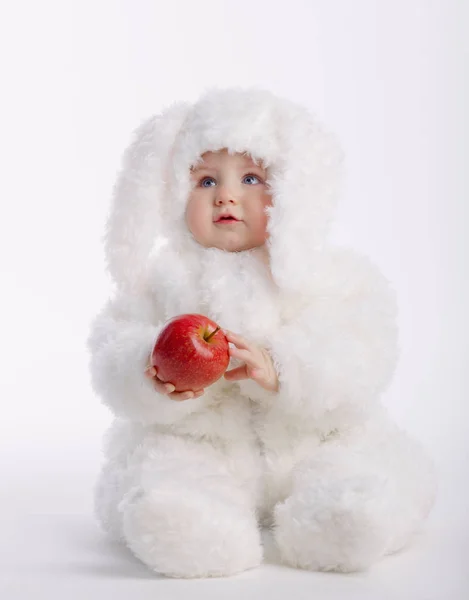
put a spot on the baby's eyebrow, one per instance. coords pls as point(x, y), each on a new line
point(201, 168)
point(253, 165)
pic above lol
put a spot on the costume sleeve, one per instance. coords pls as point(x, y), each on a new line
point(120, 341)
point(342, 347)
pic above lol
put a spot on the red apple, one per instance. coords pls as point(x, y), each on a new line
point(191, 352)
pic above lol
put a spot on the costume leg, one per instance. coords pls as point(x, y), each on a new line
point(354, 502)
point(187, 516)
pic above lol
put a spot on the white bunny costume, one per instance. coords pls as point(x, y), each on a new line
point(187, 485)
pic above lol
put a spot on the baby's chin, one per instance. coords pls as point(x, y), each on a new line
point(234, 244)
point(229, 241)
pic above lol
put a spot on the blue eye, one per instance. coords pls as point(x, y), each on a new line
point(252, 177)
point(206, 179)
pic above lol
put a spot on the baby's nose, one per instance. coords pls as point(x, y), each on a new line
point(224, 196)
point(221, 201)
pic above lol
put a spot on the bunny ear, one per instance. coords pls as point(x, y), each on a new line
point(138, 208)
point(305, 191)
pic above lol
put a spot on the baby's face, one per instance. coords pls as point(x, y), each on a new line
point(228, 185)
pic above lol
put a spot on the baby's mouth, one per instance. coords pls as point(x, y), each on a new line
point(227, 219)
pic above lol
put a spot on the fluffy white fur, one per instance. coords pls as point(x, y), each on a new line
point(187, 485)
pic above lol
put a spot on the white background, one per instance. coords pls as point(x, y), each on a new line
point(390, 78)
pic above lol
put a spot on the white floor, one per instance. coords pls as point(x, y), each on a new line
point(64, 556)
point(51, 547)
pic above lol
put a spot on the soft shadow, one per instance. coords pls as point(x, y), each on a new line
point(103, 556)
point(271, 554)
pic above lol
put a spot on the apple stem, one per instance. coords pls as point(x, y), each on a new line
point(212, 334)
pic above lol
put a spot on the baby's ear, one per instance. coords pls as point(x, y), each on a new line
point(135, 219)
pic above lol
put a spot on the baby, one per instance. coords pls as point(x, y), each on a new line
point(223, 208)
point(226, 210)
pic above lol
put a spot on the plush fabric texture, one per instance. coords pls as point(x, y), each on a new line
point(188, 485)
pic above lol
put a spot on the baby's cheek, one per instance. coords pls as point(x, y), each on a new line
point(262, 221)
point(198, 220)
point(191, 221)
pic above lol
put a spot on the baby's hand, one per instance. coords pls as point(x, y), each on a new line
point(258, 363)
point(168, 388)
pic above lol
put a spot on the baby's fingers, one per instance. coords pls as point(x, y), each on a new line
point(160, 386)
point(181, 395)
point(164, 388)
point(168, 388)
point(150, 371)
point(186, 395)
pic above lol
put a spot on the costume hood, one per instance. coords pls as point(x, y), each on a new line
point(147, 217)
